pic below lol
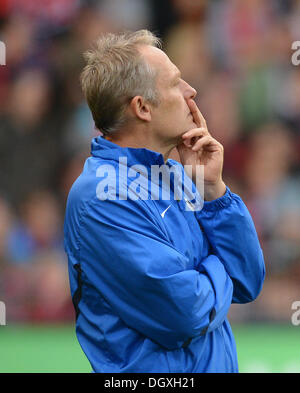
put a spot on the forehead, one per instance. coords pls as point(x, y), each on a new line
point(159, 61)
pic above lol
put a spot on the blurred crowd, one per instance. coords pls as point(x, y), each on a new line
point(237, 54)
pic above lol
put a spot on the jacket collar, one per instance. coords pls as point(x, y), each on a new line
point(104, 149)
point(107, 150)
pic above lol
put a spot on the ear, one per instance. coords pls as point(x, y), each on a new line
point(140, 108)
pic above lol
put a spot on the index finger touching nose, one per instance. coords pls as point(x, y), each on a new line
point(197, 115)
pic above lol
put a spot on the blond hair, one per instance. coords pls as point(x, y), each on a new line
point(115, 73)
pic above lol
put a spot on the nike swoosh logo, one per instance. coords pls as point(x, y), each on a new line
point(164, 212)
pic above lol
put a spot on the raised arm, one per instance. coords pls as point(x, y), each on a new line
point(224, 217)
point(232, 235)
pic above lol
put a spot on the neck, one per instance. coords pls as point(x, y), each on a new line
point(139, 140)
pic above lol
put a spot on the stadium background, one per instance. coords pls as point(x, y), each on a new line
point(237, 54)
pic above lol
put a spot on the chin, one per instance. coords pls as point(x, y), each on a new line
point(191, 126)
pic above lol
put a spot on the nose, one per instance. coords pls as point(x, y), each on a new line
point(193, 92)
point(190, 92)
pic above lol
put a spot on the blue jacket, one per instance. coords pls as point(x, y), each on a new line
point(151, 279)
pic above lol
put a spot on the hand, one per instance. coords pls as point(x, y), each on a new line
point(198, 147)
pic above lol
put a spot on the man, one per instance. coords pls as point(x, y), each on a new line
point(152, 279)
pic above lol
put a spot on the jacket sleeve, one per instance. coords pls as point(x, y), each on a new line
point(124, 254)
point(230, 230)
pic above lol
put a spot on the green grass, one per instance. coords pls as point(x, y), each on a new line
point(268, 348)
point(27, 349)
point(50, 349)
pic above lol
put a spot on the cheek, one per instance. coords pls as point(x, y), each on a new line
point(178, 105)
point(173, 108)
